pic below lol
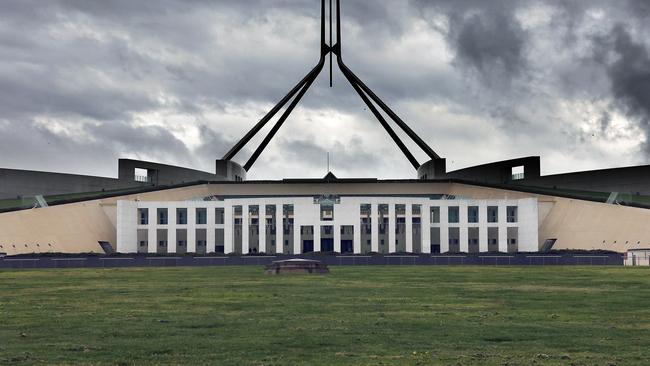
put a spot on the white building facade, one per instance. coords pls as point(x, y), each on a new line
point(343, 224)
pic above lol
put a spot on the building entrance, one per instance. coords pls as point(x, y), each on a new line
point(346, 246)
point(307, 246)
point(327, 245)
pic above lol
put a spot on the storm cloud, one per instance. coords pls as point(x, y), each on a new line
point(83, 83)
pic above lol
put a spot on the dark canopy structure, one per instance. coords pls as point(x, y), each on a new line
point(298, 91)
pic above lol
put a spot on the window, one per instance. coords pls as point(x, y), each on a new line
point(253, 215)
point(143, 243)
point(365, 209)
point(493, 214)
point(143, 216)
point(512, 213)
point(517, 172)
point(400, 210)
point(472, 214)
point(181, 243)
point(201, 216)
point(453, 214)
point(327, 212)
point(415, 209)
point(435, 215)
point(162, 216)
point(513, 241)
point(181, 216)
point(141, 175)
point(219, 218)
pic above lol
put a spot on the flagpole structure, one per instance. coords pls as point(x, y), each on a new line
point(294, 96)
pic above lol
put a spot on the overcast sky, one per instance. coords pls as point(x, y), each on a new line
point(83, 83)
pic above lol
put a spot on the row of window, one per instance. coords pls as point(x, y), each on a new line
point(453, 214)
point(327, 214)
point(162, 215)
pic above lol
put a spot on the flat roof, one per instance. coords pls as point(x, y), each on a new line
point(30, 202)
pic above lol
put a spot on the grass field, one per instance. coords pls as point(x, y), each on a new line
point(399, 315)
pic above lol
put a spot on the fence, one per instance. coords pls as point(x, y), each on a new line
point(519, 259)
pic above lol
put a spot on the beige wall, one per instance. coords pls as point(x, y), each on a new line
point(77, 227)
point(578, 224)
point(74, 227)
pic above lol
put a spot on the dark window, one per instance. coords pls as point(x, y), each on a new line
point(181, 216)
point(472, 214)
point(453, 214)
point(435, 215)
point(201, 216)
point(143, 216)
point(162, 216)
point(493, 214)
point(219, 216)
point(512, 213)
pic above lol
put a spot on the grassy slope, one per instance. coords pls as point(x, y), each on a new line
point(356, 315)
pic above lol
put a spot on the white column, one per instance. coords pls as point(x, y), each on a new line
point(374, 227)
point(316, 235)
point(244, 229)
point(297, 242)
point(279, 230)
point(171, 230)
point(210, 230)
point(444, 228)
point(463, 234)
point(152, 237)
point(229, 223)
point(261, 248)
point(337, 237)
point(191, 229)
point(408, 217)
point(503, 228)
point(392, 224)
point(357, 230)
point(425, 227)
point(482, 229)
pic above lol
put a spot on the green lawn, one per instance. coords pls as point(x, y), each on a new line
point(399, 315)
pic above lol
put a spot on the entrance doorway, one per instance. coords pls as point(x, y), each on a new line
point(346, 246)
point(307, 246)
point(327, 245)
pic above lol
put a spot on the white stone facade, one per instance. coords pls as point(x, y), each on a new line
point(505, 230)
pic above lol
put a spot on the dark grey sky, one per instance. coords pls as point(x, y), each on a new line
point(83, 83)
